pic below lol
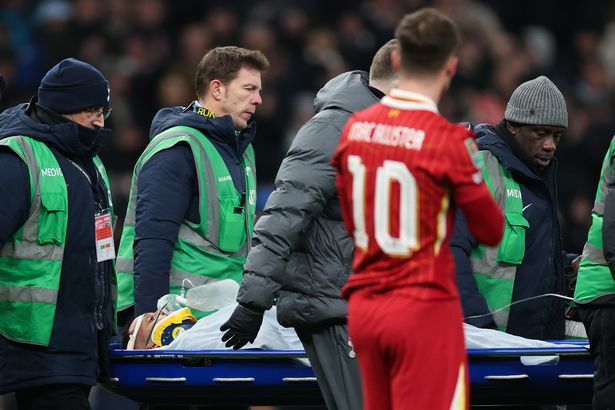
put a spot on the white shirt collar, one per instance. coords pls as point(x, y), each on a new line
point(409, 100)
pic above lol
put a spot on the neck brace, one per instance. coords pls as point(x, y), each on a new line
point(167, 329)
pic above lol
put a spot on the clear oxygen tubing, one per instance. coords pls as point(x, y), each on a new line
point(182, 292)
point(516, 302)
point(170, 302)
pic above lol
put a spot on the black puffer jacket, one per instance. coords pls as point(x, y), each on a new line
point(301, 251)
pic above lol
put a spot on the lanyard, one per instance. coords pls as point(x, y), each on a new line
point(95, 191)
point(103, 225)
point(85, 174)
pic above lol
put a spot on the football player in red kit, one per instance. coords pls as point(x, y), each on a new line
point(402, 168)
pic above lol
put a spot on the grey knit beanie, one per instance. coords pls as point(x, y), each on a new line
point(537, 102)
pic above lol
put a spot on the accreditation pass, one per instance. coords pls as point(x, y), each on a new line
point(105, 249)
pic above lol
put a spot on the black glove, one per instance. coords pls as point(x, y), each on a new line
point(242, 327)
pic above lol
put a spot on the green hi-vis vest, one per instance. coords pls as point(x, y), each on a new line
point(495, 267)
point(594, 278)
point(31, 259)
point(214, 249)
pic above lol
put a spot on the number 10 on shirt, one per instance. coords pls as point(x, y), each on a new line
point(386, 174)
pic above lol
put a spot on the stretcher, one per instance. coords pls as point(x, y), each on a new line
point(220, 378)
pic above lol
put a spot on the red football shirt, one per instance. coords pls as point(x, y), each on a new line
point(401, 167)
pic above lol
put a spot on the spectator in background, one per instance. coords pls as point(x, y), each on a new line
point(193, 193)
point(519, 167)
point(57, 315)
point(401, 170)
point(301, 254)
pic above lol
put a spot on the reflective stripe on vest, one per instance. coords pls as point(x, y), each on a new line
point(31, 260)
point(28, 294)
point(594, 253)
point(220, 246)
point(27, 245)
point(594, 278)
point(495, 267)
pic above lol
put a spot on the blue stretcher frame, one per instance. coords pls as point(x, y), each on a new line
point(221, 378)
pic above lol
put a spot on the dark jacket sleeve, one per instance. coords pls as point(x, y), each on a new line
point(568, 258)
point(462, 243)
point(608, 227)
point(15, 194)
point(304, 184)
point(165, 187)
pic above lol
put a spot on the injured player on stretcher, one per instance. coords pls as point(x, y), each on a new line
point(180, 330)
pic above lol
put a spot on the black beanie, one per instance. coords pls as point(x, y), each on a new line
point(71, 86)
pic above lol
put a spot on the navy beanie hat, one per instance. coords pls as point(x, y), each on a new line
point(71, 86)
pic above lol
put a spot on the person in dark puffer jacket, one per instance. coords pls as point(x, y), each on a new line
point(301, 255)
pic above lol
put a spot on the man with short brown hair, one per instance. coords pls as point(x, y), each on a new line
point(401, 169)
point(193, 196)
point(223, 64)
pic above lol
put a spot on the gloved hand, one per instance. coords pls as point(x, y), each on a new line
point(242, 327)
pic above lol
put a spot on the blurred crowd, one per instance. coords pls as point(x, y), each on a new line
point(149, 49)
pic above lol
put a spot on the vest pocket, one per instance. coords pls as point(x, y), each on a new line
point(512, 247)
point(52, 218)
point(232, 225)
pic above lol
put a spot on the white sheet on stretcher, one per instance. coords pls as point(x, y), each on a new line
point(206, 335)
point(477, 338)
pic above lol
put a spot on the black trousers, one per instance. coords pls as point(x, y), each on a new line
point(54, 397)
point(333, 360)
point(599, 323)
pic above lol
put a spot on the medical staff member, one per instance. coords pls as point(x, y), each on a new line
point(56, 244)
point(518, 164)
point(193, 195)
point(595, 289)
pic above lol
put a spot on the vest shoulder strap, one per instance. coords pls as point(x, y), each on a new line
point(48, 216)
point(503, 187)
